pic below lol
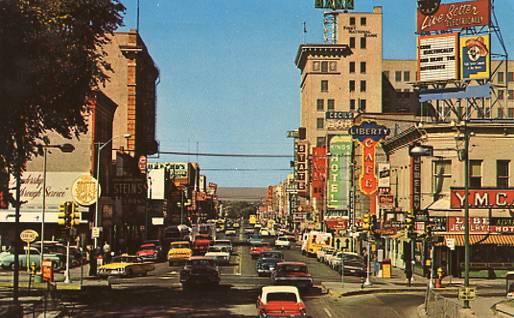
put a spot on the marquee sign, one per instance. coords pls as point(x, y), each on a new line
point(438, 57)
point(484, 198)
point(456, 15)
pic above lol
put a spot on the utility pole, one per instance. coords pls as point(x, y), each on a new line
point(466, 211)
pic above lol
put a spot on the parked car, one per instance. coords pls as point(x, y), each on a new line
point(230, 231)
point(282, 242)
point(292, 273)
point(320, 255)
point(199, 270)
point(149, 252)
point(7, 259)
point(218, 253)
point(354, 264)
point(224, 243)
point(236, 225)
point(127, 266)
point(179, 252)
point(280, 301)
point(336, 258)
point(257, 249)
point(249, 230)
point(328, 255)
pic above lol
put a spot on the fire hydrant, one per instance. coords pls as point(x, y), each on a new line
point(439, 278)
point(33, 268)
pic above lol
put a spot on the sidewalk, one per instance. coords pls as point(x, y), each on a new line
point(398, 283)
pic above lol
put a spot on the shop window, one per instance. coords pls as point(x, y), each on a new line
point(363, 86)
point(324, 67)
point(441, 176)
point(352, 43)
point(320, 105)
point(352, 67)
point(363, 21)
point(398, 76)
point(324, 86)
point(351, 86)
point(406, 76)
point(352, 104)
point(316, 66)
point(502, 174)
point(330, 104)
point(363, 67)
point(363, 43)
point(320, 123)
point(475, 173)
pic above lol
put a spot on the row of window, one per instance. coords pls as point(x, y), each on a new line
point(442, 174)
point(501, 113)
point(398, 76)
point(363, 21)
point(324, 66)
point(320, 105)
point(510, 94)
point(363, 42)
point(351, 86)
point(501, 77)
point(362, 67)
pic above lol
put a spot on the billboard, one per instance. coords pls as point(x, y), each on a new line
point(484, 198)
point(475, 57)
point(339, 172)
point(438, 57)
point(455, 15)
point(176, 170)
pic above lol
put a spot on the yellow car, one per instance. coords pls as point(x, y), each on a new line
point(179, 252)
point(126, 266)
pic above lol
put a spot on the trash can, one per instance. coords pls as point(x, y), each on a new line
point(386, 268)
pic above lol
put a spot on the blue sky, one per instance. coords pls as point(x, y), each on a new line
point(228, 79)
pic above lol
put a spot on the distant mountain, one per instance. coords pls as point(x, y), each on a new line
point(241, 194)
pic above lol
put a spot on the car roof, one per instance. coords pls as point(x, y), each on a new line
point(292, 263)
point(199, 258)
point(179, 242)
point(279, 289)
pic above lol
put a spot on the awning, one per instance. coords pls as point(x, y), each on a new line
point(493, 239)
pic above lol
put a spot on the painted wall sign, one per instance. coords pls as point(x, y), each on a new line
point(484, 198)
point(475, 57)
point(455, 16)
point(476, 224)
point(438, 57)
point(338, 183)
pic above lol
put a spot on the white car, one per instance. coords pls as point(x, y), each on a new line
point(320, 255)
point(335, 260)
point(230, 232)
point(328, 256)
point(224, 243)
point(282, 242)
point(219, 254)
point(264, 232)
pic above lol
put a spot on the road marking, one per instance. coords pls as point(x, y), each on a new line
point(328, 312)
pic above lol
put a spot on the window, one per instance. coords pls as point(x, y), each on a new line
point(352, 67)
point(475, 173)
point(351, 86)
point(315, 66)
point(363, 43)
point(500, 113)
point(502, 174)
point(363, 21)
point(332, 66)
point(501, 78)
point(510, 94)
point(330, 104)
point(501, 94)
point(398, 76)
point(363, 67)
point(352, 104)
point(320, 141)
point(363, 86)
point(324, 86)
point(319, 123)
point(406, 76)
point(320, 105)
point(441, 176)
point(510, 77)
point(386, 74)
point(510, 112)
point(352, 43)
point(352, 20)
point(362, 105)
point(324, 67)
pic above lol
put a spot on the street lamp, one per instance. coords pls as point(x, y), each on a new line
point(101, 146)
point(66, 148)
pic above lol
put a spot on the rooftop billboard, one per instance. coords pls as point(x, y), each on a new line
point(438, 57)
point(455, 15)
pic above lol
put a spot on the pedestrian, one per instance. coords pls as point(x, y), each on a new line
point(92, 261)
point(107, 252)
point(408, 273)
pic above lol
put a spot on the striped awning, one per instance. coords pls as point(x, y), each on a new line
point(482, 239)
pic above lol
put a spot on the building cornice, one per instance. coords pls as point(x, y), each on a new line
point(331, 50)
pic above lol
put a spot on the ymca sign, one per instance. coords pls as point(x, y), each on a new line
point(484, 198)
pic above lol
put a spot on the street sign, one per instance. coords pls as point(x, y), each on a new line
point(28, 236)
point(95, 232)
point(450, 243)
point(467, 293)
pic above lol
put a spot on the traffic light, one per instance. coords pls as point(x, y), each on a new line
point(373, 223)
point(409, 221)
point(75, 214)
point(64, 216)
point(365, 222)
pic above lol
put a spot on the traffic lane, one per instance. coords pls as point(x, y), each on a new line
point(319, 271)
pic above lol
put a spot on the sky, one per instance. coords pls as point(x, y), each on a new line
point(228, 82)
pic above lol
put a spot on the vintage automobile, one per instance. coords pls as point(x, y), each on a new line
point(201, 243)
point(179, 252)
point(352, 263)
point(282, 242)
point(257, 249)
point(280, 301)
point(248, 230)
point(126, 266)
point(224, 243)
point(218, 253)
point(230, 231)
point(199, 270)
point(266, 265)
point(292, 273)
point(149, 252)
point(7, 259)
point(320, 255)
point(255, 239)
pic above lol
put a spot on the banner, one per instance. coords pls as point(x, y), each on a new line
point(475, 57)
point(339, 172)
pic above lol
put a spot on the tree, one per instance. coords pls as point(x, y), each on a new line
point(51, 63)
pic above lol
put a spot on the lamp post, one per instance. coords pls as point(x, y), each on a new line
point(66, 148)
point(100, 146)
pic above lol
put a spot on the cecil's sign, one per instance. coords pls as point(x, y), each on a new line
point(483, 198)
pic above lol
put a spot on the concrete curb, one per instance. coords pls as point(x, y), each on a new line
point(61, 285)
point(374, 291)
point(420, 311)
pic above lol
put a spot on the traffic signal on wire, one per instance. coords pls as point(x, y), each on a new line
point(75, 214)
point(64, 216)
point(365, 222)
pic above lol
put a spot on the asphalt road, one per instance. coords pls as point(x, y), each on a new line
point(160, 295)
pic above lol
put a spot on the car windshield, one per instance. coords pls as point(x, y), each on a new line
point(353, 259)
point(201, 262)
point(282, 296)
point(184, 245)
point(294, 268)
point(125, 259)
point(148, 247)
point(271, 255)
point(216, 249)
point(281, 238)
point(222, 242)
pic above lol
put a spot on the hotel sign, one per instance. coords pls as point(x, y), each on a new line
point(456, 15)
point(438, 57)
point(483, 198)
point(338, 183)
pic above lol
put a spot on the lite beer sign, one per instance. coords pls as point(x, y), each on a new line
point(482, 198)
point(368, 134)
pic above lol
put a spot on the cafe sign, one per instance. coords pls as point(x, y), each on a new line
point(483, 198)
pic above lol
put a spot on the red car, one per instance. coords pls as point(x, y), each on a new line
point(292, 273)
point(257, 249)
point(201, 243)
point(149, 251)
point(280, 301)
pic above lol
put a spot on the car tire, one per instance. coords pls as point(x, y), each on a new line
point(11, 266)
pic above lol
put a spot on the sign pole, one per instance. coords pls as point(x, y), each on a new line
point(466, 212)
point(67, 279)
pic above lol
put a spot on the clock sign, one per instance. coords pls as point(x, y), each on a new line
point(428, 7)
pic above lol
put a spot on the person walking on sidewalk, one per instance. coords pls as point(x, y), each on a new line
point(107, 252)
point(92, 260)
